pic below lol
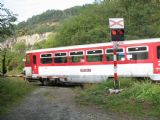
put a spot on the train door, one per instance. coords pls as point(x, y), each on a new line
point(34, 64)
point(157, 59)
point(28, 70)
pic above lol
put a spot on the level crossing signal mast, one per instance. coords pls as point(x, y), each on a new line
point(117, 34)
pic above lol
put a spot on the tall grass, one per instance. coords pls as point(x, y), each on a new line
point(142, 98)
point(11, 91)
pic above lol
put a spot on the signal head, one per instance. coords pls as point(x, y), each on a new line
point(117, 34)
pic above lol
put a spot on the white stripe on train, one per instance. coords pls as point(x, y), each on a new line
point(95, 73)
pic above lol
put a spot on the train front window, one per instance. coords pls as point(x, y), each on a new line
point(137, 53)
point(158, 52)
point(120, 54)
point(46, 58)
point(76, 56)
point(60, 57)
point(28, 59)
point(94, 55)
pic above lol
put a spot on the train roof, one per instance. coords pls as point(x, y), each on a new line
point(96, 45)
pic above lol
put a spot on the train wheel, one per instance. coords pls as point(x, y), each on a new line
point(44, 81)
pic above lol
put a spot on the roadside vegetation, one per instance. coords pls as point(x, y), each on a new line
point(137, 98)
point(12, 91)
point(14, 58)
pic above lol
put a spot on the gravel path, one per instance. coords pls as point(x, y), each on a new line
point(57, 103)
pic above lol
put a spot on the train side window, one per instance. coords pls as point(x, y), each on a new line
point(46, 58)
point(109, 54)
point(94, 55)
point(60, 57)
point(120, 54)
point(137, 53)
point(34, 59)
point(28, 59)
point(76, 56)
point(158, 52)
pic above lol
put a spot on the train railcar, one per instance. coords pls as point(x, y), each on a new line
point(93, 63)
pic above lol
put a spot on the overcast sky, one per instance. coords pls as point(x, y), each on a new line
point(27, 8)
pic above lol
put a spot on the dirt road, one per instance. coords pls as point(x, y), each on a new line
point(56, 103)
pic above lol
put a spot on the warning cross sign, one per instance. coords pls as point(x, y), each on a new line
point(116, 23)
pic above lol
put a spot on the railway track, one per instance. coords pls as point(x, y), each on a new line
point(11, 75)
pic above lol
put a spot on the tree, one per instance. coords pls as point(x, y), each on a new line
point(20, 47)
point(7, 19)
point(91, 25)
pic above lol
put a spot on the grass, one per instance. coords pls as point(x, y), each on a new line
point(137, 98)
point(11, 92)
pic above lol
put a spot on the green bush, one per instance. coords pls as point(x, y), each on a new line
point(146, 92)
point(137, 98)
point(11, 91)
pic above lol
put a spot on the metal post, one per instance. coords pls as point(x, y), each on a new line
point(116, 81)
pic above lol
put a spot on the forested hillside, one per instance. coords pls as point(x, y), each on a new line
point(45, 22)
point(89, 23)
point(91, 26)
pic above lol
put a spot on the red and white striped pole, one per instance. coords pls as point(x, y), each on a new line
point(117, 34)
point(116, 81)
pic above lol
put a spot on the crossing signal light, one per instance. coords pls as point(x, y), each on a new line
point(117, 34)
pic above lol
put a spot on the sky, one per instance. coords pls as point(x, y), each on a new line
point(27, 8)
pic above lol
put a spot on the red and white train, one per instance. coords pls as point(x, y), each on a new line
point(93, 63)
